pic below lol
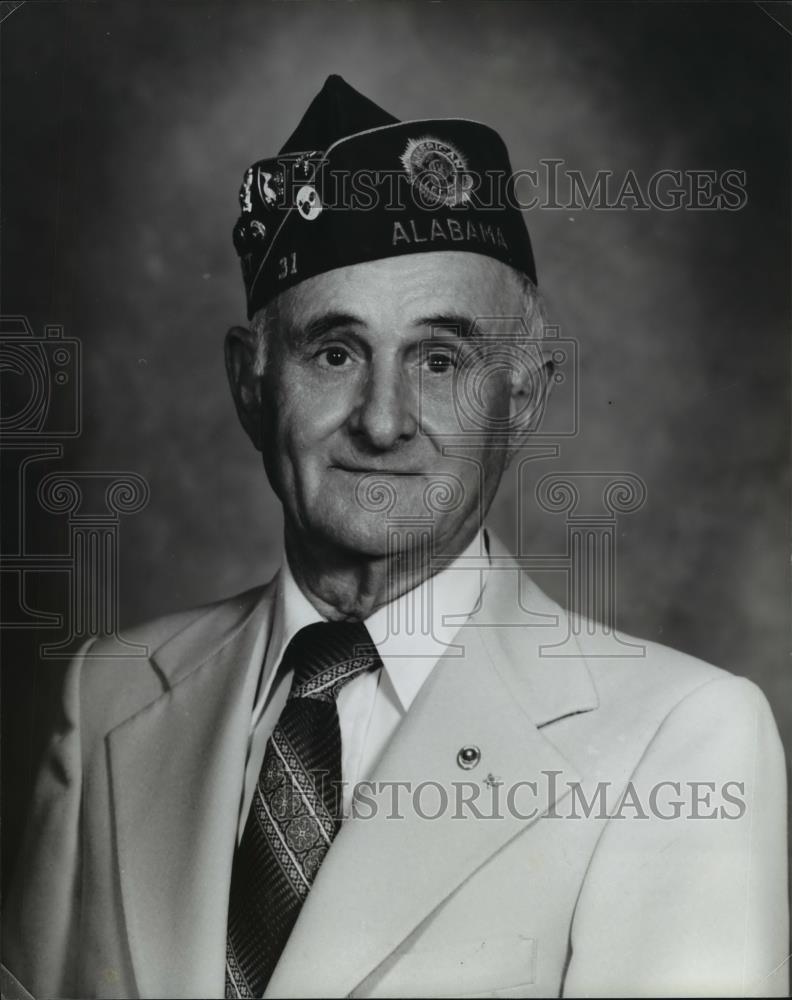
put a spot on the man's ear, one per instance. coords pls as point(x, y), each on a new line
point(532, 381)
point(241, 347)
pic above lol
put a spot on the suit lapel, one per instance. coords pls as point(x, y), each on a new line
point(383, 876)
point(175, 833)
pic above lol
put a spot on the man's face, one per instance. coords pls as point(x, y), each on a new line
point(377, 405)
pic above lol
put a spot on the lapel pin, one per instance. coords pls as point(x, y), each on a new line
point(468, 757)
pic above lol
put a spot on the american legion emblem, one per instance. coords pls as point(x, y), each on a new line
point(438, 171)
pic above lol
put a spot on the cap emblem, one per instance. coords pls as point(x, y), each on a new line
point(438, 171)
point(269, 189)
point(309, 204)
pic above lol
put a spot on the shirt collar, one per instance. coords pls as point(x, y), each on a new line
point(411, 633)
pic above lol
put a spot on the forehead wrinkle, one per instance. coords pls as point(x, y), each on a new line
point(400, 296)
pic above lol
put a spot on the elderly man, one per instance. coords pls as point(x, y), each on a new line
point(373, 776)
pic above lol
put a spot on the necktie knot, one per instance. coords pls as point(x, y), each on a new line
point(327, 655)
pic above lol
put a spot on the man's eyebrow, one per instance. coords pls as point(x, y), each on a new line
point(321, 325)
point(456, 323)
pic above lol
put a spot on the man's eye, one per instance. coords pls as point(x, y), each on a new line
point(440, 362)
point(336, 357)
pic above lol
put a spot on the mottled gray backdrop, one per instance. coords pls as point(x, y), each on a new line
point(127, 128)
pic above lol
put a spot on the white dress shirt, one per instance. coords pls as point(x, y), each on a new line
point(411, 634)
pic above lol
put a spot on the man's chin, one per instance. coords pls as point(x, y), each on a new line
point(368, 536)
point(373, 536)
point(379, 516)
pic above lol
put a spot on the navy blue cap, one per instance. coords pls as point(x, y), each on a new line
point(354, 184)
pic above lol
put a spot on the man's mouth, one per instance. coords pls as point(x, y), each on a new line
point(374, 470)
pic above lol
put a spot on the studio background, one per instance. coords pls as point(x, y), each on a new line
point(127, 128)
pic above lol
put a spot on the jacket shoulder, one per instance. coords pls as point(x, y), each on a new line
point(657, 683)
point(155, 632)
point(635, 667)
point(114, 679)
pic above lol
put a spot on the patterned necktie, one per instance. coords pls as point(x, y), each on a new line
point(297, 805)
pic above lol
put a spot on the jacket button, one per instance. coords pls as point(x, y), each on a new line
point(468, 757)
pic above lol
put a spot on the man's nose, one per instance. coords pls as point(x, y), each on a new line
point(385, 412)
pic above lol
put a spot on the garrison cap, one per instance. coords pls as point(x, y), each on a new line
point(354, 184)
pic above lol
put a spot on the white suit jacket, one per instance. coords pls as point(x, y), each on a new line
point(122, 888)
